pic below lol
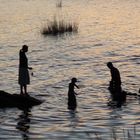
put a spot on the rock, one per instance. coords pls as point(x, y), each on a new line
point(17, 100)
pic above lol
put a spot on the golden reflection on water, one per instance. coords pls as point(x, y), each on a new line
point(109, 30)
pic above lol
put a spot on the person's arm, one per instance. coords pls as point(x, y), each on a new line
point(30, 68)
point(76, 86)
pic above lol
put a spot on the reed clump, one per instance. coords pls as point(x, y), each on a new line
point(56, 27)
point(125, 135)
point(59, 4)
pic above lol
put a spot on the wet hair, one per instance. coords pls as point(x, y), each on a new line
point(109, 64)
point(74, 80)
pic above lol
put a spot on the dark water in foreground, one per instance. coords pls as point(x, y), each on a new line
point(109, 30)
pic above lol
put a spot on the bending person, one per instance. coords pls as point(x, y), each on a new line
point(115, 83)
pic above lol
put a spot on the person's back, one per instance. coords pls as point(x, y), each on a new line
point(23, 61)
point(115, 83)
point(115, 74)
point(71, 89)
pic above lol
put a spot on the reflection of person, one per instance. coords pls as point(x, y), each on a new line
point(23, 78)
point(24, 123)
point(115, 83)
point(71, 94)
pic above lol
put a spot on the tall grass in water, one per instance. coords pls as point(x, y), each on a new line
point(59, 4)
point(114, 135)
point(59, 27)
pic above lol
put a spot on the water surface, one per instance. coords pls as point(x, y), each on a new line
point(109, 30)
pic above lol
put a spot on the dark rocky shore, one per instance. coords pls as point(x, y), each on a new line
point(17, 100)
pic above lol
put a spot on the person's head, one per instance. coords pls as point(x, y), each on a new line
point(110, 65)
point(25, 48)
point(74, 80)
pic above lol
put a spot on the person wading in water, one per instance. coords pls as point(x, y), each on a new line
point(115, 83)
point(72, 104)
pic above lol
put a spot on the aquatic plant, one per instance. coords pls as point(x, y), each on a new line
point(59, 4)
point(59, 27)
point(114, 135)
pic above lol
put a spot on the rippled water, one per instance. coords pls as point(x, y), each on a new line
point(109, 30)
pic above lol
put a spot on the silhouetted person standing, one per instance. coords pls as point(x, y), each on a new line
point(72, 104)
point(115, 83)
point(24, 78)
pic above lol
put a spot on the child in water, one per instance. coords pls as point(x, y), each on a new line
point(72, 104)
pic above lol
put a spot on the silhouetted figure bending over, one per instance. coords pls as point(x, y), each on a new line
point(72, 104)
point(24, 77)
point(115, 83)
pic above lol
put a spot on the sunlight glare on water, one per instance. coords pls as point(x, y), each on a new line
point(109, 30)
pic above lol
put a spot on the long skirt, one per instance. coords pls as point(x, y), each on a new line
point(23, 78)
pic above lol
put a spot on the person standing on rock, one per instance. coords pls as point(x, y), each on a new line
point(23, 78)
